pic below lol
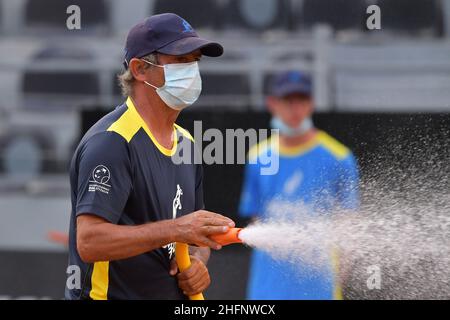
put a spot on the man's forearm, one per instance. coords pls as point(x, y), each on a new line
point(105, 241)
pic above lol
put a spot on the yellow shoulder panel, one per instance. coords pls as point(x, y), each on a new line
point(337, 149)
point(126, 125)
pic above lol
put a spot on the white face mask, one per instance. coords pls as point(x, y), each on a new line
point(303, 127)
point(182, 86)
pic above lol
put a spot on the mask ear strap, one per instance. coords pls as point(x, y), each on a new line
point(153, 64)
point(149, 84)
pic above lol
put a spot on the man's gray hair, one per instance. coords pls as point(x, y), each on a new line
point(126, 79)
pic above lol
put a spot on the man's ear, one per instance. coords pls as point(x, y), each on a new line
point(138, 69)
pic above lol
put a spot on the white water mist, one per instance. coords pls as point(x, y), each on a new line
point(402, 228)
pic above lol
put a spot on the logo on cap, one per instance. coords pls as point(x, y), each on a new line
point(187, 27)
point(295, 77)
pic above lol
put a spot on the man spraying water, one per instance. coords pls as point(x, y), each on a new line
point(314, 170)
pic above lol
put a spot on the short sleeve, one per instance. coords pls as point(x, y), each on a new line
point(348, 183)
point(250, 194)
point(199, 204)
point(103, 176)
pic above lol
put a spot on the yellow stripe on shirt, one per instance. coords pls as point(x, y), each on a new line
point(100, 281)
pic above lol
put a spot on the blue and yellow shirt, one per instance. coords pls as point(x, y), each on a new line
point(120, 173)
point(321, 174)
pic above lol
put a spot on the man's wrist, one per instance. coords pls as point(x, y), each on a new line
point(172, 230)
point(164, 230)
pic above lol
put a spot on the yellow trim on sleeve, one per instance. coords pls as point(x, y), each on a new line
point(100, 281)
point(337, 149)
point(130, 123)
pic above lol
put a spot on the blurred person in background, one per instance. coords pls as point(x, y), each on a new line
point(316, 171)
point(130, 201)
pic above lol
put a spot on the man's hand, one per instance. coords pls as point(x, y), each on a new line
point(195, 228)
point(193, 280)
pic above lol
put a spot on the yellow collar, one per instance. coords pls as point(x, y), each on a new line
point(300, 149)
point(137, 117)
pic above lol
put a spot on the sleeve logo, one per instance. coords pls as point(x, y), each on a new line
point(99, 179)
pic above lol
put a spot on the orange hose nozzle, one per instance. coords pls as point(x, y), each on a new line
point(231, 236)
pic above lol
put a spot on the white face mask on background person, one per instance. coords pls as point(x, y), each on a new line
point(182, 86)
point(303, 127)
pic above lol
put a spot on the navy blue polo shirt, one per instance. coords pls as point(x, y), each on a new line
point(120, 173)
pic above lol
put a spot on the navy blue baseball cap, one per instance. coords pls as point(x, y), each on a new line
point(291, 82)
point(166, 33)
